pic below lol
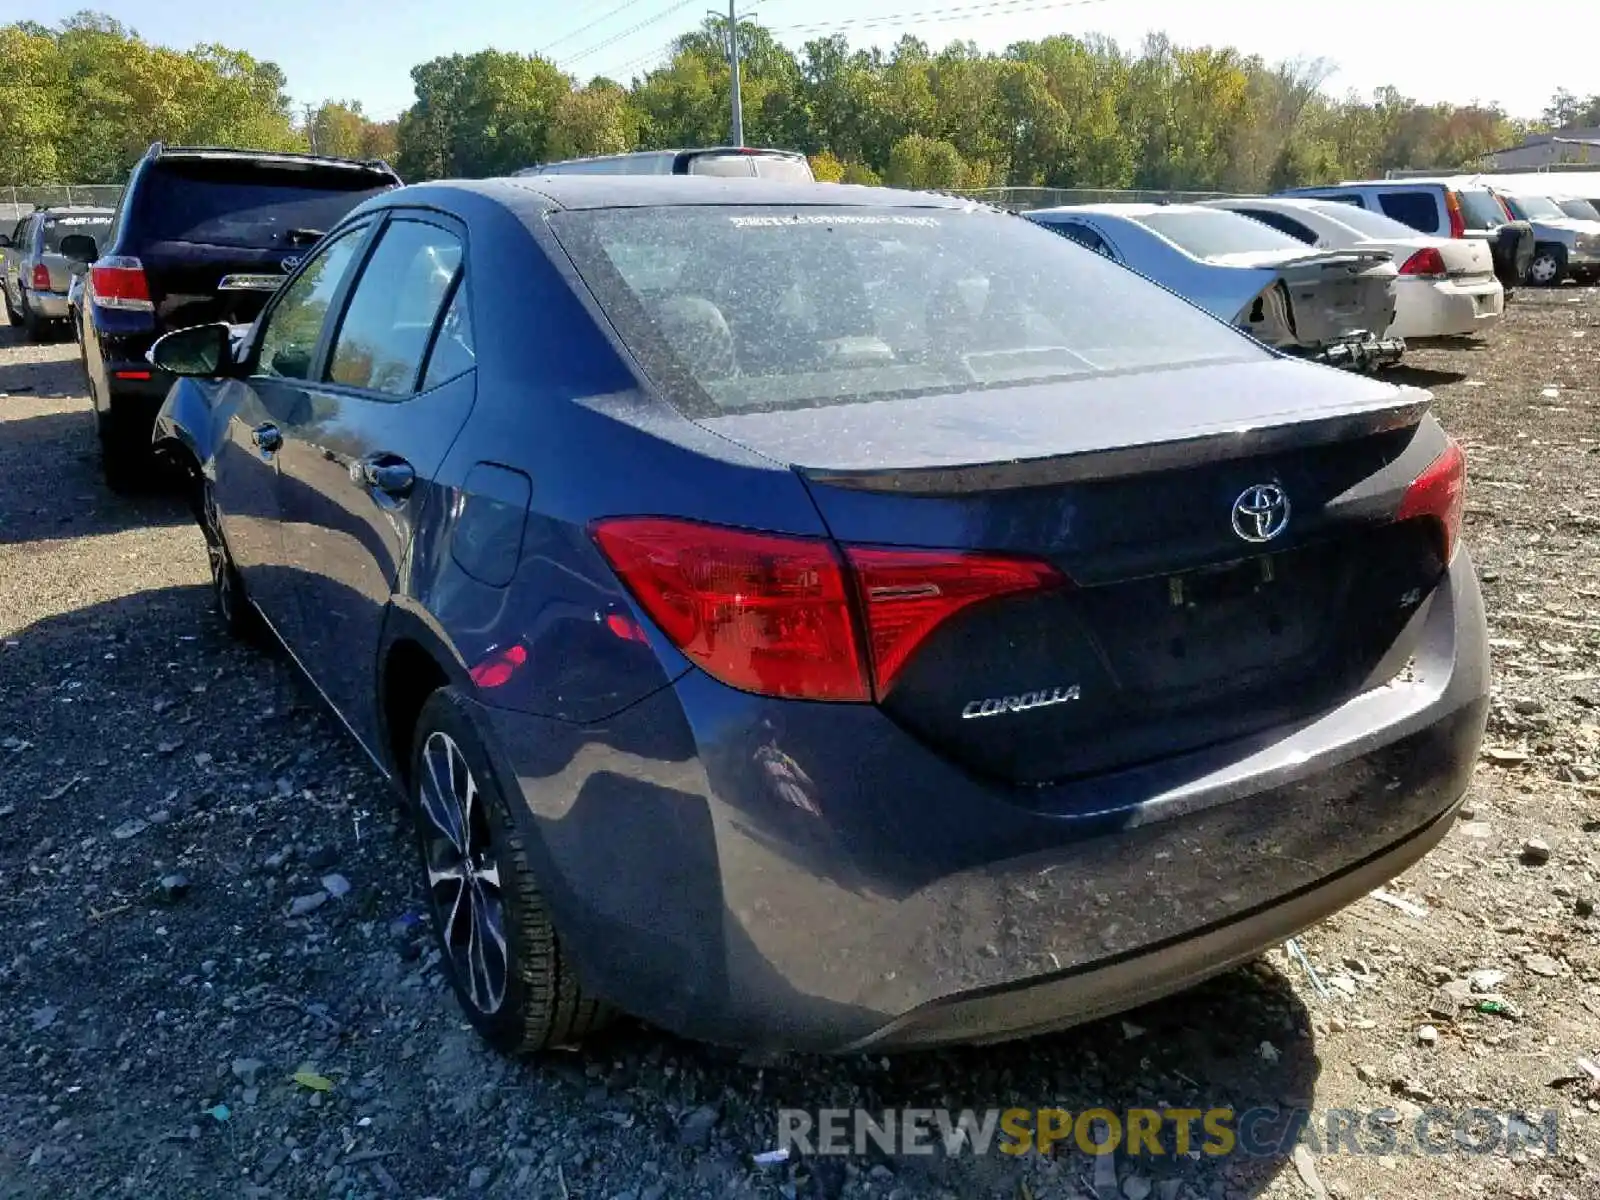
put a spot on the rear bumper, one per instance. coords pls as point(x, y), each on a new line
point(1446, 308)
point(807, 876)
point(51, 306)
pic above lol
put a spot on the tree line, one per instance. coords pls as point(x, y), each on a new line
point(80, 102)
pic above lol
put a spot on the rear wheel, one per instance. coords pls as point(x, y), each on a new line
point(1549, 266)
point(503, 956)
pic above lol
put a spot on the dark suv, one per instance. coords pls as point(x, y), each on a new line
point(200, 235)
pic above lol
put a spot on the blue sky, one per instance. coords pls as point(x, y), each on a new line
point(364, 49)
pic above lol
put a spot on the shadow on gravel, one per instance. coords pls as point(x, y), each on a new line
point(51, 487)
point(140, 741)
point(1423, 377)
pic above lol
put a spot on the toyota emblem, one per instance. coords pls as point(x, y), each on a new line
point(290, 263)
point(1261, 512)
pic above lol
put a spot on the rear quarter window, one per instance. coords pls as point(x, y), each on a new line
point(1419, 210)
point(233, 203)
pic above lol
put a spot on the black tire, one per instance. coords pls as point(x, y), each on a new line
point(480, 884)
point(237, 614)
point(125, 459)
point(1549, 265)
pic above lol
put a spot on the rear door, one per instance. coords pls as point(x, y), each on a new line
point(360, 452)
point(202, 219)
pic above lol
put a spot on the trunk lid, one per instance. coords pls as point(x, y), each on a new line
point(1320, 298)
point(1177, 631)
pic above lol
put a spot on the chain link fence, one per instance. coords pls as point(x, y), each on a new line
point(18, 202)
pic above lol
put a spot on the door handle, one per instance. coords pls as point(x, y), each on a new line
point(387, 473)
point(267, 437)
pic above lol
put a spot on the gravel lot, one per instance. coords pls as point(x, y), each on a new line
point(167, 796)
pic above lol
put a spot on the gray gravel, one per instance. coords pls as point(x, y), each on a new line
point(215, 979)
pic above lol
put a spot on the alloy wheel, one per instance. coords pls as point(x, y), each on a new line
point(463, 873)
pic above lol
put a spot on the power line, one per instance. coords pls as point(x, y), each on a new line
point(631, 30)
point(933, 16)
point(600, 20)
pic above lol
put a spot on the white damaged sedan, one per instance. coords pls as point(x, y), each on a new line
point(1446, 286)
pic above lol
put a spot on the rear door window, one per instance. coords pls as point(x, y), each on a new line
point(394, 307)
point(232, 202)
point(1480, 209)
point(1419, 210)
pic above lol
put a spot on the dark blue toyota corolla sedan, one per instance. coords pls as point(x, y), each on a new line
point(819, 617)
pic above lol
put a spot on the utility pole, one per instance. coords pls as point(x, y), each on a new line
point(733, 59)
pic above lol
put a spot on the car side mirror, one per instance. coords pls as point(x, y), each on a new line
point(200, 350)
point(5, 241)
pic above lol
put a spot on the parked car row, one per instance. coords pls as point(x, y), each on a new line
point(34, 274)
point(810, 616)
point(199, 234)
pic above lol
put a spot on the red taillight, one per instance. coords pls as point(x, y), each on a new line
point(1427, 262)
point(41, 278)
point(119, 282)
point(778, 615)
point(907, 594)
point(1452, 208)
point(761, 612)
point(1440, 492)
point(497, 670)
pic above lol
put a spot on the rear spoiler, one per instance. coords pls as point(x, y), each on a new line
point(1219, 444)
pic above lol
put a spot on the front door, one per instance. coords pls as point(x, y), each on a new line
point(260, 408)
point(359, 458)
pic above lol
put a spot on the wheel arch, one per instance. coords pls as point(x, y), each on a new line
point(415, 661)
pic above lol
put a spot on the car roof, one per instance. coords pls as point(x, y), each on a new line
point(160, 153)
point(1124, 209)
point(1302, 203)
point(524, 192)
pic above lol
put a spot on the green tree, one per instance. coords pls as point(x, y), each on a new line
point(488, 113)
point(924, 162)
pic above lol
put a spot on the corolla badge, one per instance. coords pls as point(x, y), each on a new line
point(999, 706)
point(1261, 512)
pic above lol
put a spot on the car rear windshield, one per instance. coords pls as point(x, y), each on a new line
point(1365, 222)
point(90, 224)
point(1535, 208)
point(766, 166)
point(244, 203)
point(1581, 209)
point(742, 308)
point(1480, 210)
point(1207, 232)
